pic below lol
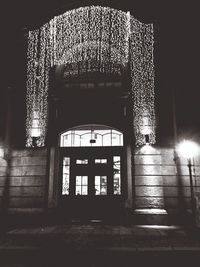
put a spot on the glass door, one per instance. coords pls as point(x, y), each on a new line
point(91, 179)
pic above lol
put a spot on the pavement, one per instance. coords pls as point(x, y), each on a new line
point(96, 244)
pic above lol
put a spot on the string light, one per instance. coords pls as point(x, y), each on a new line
point(98, 36)
point(31, 100)
point(142, 73)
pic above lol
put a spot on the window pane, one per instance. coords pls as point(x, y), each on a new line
point(100, 185)
point(65, 184)
point(116, 159)
point(97, 189)
point(65, 176)
point(84, 190)
point(78, 190)
point(103, 185)
point(97, 139)
point(75, 139)
point(66, 161)
point(103, 132)
point(97, 180)
point(66, 169)
point(85, 137)
point(84, 180)
point(107, 139)
point(81, 185)
point(82, 161)
point(103, 180)
point(102, 161)
point(104, 190)
point(78, 180)
point(67, 139)
point(116, 175)
point(116, 140)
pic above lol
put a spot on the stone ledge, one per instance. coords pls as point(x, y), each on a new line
point(150, 211)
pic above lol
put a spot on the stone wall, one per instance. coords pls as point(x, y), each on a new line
point(161, 182)
point(23, 180)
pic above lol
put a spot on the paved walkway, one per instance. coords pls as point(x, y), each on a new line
point(105, 236)
point(97, 240)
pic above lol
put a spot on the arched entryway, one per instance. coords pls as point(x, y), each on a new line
point(91, 172)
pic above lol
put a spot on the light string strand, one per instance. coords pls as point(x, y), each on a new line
point(142, 74)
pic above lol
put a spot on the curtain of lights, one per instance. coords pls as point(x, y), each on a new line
point(104, 39)
point(142, 73)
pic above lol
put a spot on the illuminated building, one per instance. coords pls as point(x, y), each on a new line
point(89, 147)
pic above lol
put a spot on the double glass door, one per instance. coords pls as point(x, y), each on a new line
point(91, 178)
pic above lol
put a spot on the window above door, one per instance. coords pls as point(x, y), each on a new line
point(91, 135)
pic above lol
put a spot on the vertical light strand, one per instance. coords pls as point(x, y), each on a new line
point(45, 64)
point(32, 65)
point(142, 74)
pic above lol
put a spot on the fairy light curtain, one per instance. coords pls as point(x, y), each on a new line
point(99, 36)
point(142, 73)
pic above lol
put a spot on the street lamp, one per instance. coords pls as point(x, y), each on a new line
point(189, 149)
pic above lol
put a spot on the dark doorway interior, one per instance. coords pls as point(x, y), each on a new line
point(92, 184)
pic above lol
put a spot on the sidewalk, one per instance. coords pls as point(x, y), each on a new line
point(98, 239)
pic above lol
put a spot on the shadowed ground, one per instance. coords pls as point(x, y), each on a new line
point(96, 244)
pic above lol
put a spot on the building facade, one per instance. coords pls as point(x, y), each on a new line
point(90, 150)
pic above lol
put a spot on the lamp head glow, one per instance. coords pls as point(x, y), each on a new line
point(1, 152)
point(188, 149)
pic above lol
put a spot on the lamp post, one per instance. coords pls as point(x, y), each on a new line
point(191, 187)
point(189, 149)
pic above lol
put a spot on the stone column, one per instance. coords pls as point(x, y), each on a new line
point(129, 199)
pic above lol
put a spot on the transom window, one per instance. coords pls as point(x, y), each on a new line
point(91, 135)
point(82, 161)
point(100, 161)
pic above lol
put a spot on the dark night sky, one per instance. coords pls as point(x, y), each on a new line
point(176, 49)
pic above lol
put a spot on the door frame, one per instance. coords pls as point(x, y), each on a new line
point(95, 152)
point(100, 152)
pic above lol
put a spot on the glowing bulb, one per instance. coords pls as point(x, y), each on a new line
point(188, 149)
point(1, 152)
